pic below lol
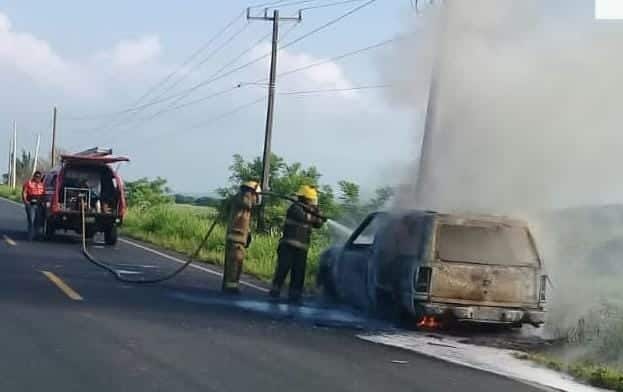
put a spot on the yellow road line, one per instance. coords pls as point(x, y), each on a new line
point(8, 240)
point(63, 286)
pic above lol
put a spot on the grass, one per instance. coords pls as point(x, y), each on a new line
point(590, 372)
point(181, 228)
point(12, 194)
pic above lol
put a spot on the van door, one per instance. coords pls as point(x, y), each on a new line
point(488, 264)
point(354, 263)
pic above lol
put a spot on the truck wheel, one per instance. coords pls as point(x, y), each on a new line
point(111, 235)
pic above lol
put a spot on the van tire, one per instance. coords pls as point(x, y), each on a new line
point(111, 235)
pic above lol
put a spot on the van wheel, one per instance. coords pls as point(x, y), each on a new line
point(111, 235)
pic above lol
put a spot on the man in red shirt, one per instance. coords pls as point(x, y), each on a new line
point(32, 193)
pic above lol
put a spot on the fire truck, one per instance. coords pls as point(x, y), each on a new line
point(85, 178)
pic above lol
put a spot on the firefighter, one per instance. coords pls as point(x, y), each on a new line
point(238, 234)
point(32, 193)
point(292, 252)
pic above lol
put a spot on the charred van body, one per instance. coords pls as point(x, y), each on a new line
point(478, 269)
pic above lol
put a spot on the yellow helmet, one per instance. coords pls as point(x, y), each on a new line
point(308, 192)
point(254, 185)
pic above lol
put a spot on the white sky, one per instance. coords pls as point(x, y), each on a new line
point(609, 9)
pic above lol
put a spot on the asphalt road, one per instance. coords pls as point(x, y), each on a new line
point(68, 326)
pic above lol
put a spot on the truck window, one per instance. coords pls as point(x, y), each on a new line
point(487, 244)
point(367, 235)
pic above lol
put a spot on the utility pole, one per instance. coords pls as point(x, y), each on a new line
point(268, 133)
point(431, 109)
point(14, 157)
point(34, 164)
point(53, 153)
point(10, 166)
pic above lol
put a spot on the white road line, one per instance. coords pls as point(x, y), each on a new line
point(169, 257)
point(199, 267)
point(8, 240)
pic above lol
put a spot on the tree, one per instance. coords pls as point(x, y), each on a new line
point(145, 193)
point(285, 180)
point(381, 197)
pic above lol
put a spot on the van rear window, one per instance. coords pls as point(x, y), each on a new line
point(487, 244)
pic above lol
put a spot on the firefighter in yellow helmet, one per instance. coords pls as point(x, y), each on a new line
point(292, 253)
point(239, 234)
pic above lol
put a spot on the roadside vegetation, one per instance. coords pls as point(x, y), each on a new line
point(11, 194)
point(590, 351)
point(179, 222)
point(592, 373)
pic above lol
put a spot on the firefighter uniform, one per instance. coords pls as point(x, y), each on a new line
point(238, 234)
point(293, 246)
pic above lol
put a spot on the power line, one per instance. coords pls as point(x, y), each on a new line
point(215, 118)
point(174, 105)
point(182, 94)
point(208, 57)
point(177, 70)
point(328, 24)
point(335, 90)
point(177, 82)
point(333, 4)
point(340, 57)
point(195, 54)
point(266, 55)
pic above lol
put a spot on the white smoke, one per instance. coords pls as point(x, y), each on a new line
point(528, 120)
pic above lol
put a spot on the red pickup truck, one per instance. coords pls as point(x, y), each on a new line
point(86, 176)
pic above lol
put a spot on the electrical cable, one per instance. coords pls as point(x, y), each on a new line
point(335, 3)
point(334, 90)
point(173, 105)
point(186, 92)
point(177, 82)
point(119, 274)
point(177, 70)
point(328, 24)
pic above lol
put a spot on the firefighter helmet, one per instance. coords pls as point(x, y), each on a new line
point(308, 192)
point(253, 185)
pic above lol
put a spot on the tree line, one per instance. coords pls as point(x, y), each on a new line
point(344, 202)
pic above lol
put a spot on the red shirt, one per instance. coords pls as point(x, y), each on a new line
point(33, 189)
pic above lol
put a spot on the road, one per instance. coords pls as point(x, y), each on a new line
point(68, 326)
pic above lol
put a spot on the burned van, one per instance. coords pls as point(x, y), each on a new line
point(435, 266)
point(85, 178)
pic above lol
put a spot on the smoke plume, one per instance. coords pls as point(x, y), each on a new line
point(527, 121)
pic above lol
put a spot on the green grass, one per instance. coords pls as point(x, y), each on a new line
point(181, 228)
point(12, 194)
point(590, 372)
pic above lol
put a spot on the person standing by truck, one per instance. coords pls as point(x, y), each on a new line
point(238, 234)
point(32, 192)
point(301, 217)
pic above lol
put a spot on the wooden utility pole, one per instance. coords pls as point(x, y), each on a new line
point(268, 133)
point(53, 153)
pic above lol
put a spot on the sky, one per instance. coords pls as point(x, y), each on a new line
point(94, 59)
point(608, 9)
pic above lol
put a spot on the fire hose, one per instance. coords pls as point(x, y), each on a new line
point(119, 274)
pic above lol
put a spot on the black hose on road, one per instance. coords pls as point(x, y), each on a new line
point(117, 274)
